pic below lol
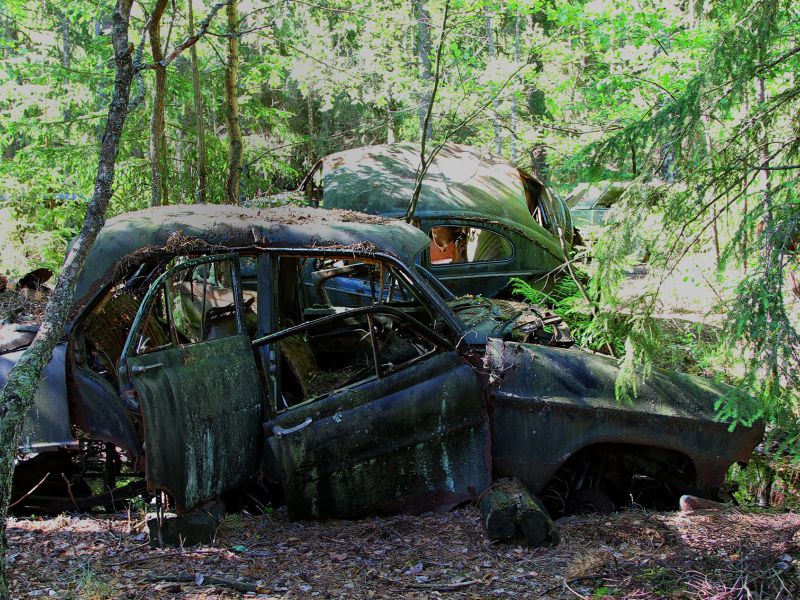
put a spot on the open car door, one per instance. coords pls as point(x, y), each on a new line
point(376, 413)
point(189, 361)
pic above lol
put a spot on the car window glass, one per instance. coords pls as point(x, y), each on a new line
point(398, 343)
point(248, 279)
point(328, 355)
point(106, 326)
point(554, 206)
point(353, 283)
point(450, 244)
point(194, 304)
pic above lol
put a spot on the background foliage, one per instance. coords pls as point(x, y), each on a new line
point(691, 103)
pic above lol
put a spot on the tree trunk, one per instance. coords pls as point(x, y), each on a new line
point(537, 102)
point(517, 22)
point(311, 126)
point(66, 49)
point(198, 115)
point(158, 139)
point(66, 52)
point(714, 210)
point(509, 511)
point(424, 61)
point(498, 139)
point(392, 125)
point(101, 97)
point(763, 176)
point(234, 129)
point(16, 397)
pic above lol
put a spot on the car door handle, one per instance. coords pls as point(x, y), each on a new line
point(145, 368)
point(279, 431)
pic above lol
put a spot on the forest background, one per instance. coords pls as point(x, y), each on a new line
point(692, 104)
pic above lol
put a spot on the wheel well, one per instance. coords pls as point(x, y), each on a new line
point(629, 474)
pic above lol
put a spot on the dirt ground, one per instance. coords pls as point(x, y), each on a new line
point(633, 554)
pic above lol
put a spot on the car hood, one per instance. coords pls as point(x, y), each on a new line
point(485, 318)
point(575, 377)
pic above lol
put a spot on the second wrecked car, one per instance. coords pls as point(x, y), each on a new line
point(487, 220)
point(204, 352)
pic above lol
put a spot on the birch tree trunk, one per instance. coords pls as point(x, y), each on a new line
point(158, 140)
point(16, 397)
point(232, 100)
point(198, 115)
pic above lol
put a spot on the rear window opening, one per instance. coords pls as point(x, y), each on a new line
point(451, 244)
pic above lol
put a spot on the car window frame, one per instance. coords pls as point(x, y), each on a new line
point(159, 285)
point(419, 287)
point(496, 228)
point(440, 343)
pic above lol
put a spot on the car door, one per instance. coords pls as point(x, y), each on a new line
point(375, 413)
point(189, 362)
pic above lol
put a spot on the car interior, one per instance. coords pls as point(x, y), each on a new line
point(344, 335)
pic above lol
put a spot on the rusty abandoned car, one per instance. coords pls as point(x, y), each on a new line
point(205, 353)
point(487, 220)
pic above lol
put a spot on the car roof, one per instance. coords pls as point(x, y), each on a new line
point(462, 182)
point(221, 227)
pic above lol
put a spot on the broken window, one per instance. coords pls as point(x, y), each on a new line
point(539, 203)
point(203, 302)
point(330, 354)
point(354, 283)
point(192, 305)
point(155, 333)
point(323, 358)
point(348, 321)
point(451, 244)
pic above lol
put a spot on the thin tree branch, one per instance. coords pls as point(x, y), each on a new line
point(189, 41)
point(426, 163)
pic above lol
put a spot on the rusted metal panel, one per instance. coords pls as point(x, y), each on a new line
point(202, 414)
point(549, 403)
point(47, 424)
point(100, 412)
point(415, 440)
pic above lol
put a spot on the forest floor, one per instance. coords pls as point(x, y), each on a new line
point(632, 554)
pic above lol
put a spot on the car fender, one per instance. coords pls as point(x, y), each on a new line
point(47, 425)
point(549, 403)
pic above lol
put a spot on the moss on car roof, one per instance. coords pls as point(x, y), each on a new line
point(225, 226)
point(462, 182)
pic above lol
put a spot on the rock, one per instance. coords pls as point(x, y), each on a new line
point(35, 279)
point(189, 529)
point(691, 503)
